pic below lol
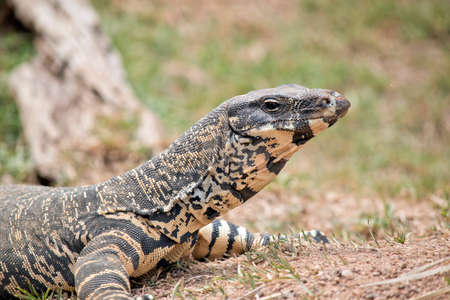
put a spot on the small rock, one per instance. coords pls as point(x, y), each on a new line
point(347, 273)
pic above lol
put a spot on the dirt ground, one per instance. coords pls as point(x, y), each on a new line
point(329, 272)
point(346, 268)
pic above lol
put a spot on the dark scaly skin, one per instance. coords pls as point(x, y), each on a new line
point(91, 239)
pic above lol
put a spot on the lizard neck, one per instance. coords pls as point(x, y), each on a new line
point(245, 166)
point(169, 177)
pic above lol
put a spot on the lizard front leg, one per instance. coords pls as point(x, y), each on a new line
point(103, 269)
point(221, 238)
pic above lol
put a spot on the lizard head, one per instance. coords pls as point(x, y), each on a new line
point(268, 126)
point(292, 110)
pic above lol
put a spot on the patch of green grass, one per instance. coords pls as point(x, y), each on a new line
point(15, 48)
point(419, 20)
point(385, 225)
point(33, 294)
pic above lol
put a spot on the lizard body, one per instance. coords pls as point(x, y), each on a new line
point(91, 239)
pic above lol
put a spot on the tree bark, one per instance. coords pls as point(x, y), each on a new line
point(73, 96)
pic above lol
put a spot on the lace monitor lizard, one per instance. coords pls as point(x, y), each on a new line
point(92, 239)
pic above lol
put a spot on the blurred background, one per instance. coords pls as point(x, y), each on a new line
point(389, 157)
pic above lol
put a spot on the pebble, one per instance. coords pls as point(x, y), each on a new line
point(347, 273)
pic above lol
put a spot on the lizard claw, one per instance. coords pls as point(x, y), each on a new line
point(317, 235)
point(144, 297)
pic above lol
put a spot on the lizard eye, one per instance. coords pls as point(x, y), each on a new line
point(271, 105)
point(326, 102)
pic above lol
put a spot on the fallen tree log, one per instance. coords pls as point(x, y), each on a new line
point(73, 96)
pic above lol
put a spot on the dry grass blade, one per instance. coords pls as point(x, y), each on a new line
point(433, 294)
point(273, 296)
point(415, 276)
point(192, 279)
point(251, 293)
point(427, 266)
point(175, 288)
point(305, 288)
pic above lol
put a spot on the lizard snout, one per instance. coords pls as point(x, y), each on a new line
point(342, 103)
point(342, 106)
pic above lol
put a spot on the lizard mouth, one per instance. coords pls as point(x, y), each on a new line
point(341, 107)
point(315, 125)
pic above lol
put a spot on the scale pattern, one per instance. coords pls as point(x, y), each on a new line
point(92, 239)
